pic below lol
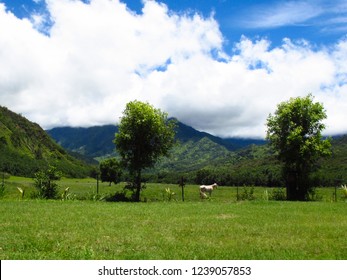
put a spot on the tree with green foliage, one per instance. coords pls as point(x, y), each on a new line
point(110, 171)
point(144, 135)
point(45, 182)
point(294, 131)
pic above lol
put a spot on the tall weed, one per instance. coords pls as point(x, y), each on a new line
point(344, 192)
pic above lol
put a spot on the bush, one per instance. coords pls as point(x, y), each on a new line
point(247, 194)
point(118, 197)
point(45, 183)
point(314, 195)
point(278, 194)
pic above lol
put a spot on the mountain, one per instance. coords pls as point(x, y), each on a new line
point(194, 148)
point(26, 148)
point(93, 142)
point(186, 133)
point(204, 158)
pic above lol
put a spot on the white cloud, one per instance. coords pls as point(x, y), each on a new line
point(283, 14)
point(327, 16)
point(99, 56)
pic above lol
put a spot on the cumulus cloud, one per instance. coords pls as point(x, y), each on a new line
point(95, 57)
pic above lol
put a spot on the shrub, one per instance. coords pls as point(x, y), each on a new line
point(278, 194)
point(247, 194)
point(118, 197)
point(314, 196)
point(45, 183)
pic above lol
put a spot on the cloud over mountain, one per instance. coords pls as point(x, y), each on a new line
point(79, 63)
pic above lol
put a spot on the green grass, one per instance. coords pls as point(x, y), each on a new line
point(37, 229)
point(217, 228)
point(86, 189)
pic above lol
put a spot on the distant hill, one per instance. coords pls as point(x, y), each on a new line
point(334, 168)
point(202, 157)
point(26, 148)
point(187, 133)
point(93, 142)
point(194, 148)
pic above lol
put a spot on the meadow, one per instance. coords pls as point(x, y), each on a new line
point(166, 228)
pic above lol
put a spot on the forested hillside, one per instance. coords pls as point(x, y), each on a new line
point(93, 142)
point(257, 165)
point(204, 158)
point(26, 148)
point(193, 146)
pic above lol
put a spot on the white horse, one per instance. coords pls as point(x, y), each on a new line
point(207, 189)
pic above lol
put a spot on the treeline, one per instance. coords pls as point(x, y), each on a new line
point(224, 176)
point(258, 166)
point(266, 173)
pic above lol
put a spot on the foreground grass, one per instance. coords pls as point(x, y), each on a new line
point(37, 229)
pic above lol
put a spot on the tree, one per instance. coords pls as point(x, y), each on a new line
point(144, 135)
point(294, 131)
point(45, 182)
point(110, 171)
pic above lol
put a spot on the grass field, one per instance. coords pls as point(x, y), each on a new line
point(218, 228)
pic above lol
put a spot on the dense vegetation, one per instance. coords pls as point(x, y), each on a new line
point(26, 148)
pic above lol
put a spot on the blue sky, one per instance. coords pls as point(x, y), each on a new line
point(318, 21)
point(219, 65)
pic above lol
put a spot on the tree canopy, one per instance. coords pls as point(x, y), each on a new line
point(144, 135)
point(295, 132)
point(110, 171)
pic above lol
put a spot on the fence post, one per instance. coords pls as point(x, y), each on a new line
point(181, 184)
point(97, 184)
point(337, 182)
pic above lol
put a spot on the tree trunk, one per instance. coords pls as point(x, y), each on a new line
point(290, 182)
point(138, 186)
point(297, 185)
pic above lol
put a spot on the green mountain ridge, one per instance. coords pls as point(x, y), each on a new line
point(26, 148)
point(97, 141)
point(202, 158)
point(193, 155)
